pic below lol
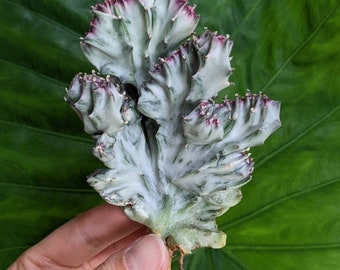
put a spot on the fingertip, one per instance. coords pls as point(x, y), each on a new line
point(146, 253)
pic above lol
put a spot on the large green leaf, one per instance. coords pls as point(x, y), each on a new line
point(289, 216)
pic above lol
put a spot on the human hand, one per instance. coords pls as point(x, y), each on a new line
point(102, 238)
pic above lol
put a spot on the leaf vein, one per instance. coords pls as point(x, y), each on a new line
point(285, 247)
point(251, 11)
point(300, 47)
point(271, 204)
point(53, 189)
point(46, 19)
point(38, 74)
point(297, 138)
point(6, 249)
point(47, 132)
point(236, 260)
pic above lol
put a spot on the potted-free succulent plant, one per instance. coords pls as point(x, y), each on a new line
point(176, 154)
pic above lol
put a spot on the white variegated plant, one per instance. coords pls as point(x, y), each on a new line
point(175, 157)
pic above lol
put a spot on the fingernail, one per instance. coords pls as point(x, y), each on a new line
point(147, 253)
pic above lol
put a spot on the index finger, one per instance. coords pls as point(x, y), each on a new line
point(86, 235)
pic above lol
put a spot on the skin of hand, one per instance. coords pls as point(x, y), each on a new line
point(102, 238)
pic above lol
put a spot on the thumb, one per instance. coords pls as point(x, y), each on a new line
point(146, 253)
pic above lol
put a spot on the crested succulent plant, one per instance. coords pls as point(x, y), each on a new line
point(175, 156)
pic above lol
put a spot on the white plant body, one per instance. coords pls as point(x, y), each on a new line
point(175, 158)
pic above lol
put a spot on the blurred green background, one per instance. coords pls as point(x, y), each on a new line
point(289, 217)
